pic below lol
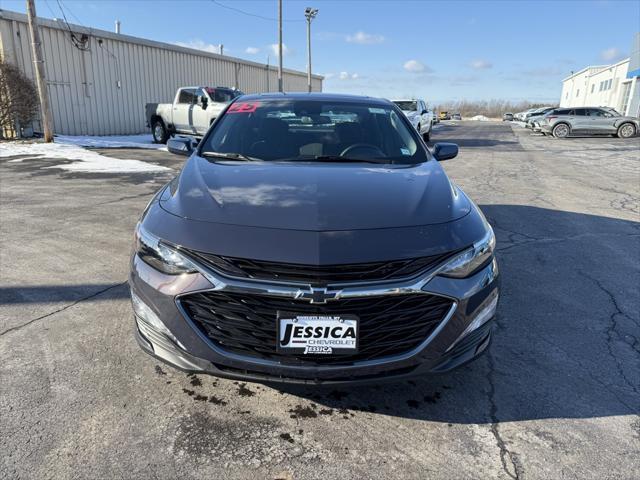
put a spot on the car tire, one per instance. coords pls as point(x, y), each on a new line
point(426, 136)
point(159, 132)
point(626, 130)
point(561, 130)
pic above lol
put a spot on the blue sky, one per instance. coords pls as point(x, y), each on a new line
point(436, 50)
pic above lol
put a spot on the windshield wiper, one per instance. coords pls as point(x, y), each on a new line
point(340, 158)
point(231, 156)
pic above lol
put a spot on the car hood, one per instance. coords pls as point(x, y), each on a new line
point(314, 196)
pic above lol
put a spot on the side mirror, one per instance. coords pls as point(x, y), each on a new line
point(202, 101)
point(424, 112)
point(445, 151)
point(181, 146)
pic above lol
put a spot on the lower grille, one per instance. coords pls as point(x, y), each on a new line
point(246, 324)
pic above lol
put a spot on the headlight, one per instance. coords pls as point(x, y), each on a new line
point(161, 256)
point(467, 262)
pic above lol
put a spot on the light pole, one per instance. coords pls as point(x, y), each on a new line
point(310, 14)
point(280, 87)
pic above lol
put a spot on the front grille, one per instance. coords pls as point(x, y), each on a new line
point(319, 274)
point(246, 324)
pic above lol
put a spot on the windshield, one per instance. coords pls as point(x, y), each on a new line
point(409, 105)
point(314, 130)
point(223, 95)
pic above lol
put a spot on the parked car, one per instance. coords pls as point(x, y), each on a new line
point(445, 116)
point(192, 111)
point(536, 114)
point(436, 117)
point(562, 122)
point(418, 114)
point(507, 117)
point(294, 249)
point(456, 116)
point(521, 116)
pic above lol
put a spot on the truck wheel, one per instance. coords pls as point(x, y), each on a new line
point(159, 132)
point(561, 130)
point(626, 130)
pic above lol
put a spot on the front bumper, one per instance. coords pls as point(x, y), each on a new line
point(180, 343)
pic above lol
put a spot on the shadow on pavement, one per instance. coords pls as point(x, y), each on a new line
point(482, 142)
point(60, 293)
point(566, 342)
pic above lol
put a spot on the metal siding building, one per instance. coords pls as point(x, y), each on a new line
point(103, 90)
point(616, 86)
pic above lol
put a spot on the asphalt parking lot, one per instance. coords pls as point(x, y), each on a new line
point(558, 396)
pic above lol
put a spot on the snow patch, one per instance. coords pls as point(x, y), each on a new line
point(111, 141)
point(82, 160)
point(479, 118)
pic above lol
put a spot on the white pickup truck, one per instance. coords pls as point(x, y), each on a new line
point(420, 116)
point(191, 113)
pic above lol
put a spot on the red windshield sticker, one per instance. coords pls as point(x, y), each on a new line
point(243, 107)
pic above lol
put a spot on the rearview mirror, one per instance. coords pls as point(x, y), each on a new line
point(445, 151)
point(202, 101)
point(181, 146)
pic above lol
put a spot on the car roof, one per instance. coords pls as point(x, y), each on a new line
point(327, 97)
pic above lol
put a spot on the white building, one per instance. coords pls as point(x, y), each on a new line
point(615, 86)
point(98, 81)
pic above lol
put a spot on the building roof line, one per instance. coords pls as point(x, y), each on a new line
point(61, 25)
point(597, 68)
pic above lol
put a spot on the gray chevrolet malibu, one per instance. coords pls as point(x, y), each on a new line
point(313, 238)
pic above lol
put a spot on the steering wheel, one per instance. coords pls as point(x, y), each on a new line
point(374, 151)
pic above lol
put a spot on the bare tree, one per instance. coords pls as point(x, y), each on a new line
point(488, 108)
point(18, 99)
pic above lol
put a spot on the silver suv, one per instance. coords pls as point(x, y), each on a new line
point(563, 122)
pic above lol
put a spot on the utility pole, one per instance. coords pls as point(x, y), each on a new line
point(280, 87)
point(310, 14)
point(38, 62)
point(268, 74)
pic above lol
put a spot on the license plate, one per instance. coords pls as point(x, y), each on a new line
point(317, 334)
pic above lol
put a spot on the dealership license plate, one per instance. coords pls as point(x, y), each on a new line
point(317, 334)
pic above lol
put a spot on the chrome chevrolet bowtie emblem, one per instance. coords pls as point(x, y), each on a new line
point(317, 295)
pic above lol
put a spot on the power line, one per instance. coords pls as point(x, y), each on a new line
point(74, 16)
point(80, 44)
point(249, 14)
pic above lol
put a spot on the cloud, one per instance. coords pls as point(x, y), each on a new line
point(285, 50)
point(480, 64)
point(363, 38)
point(348, 76)
point(414, 66)
point(611, 54)
point(252, 50)
point(200, 45)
